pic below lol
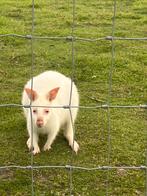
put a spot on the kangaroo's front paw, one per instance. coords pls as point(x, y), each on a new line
point(36, 150)
point(75, 147)
point(29, 143)
point(46, 147)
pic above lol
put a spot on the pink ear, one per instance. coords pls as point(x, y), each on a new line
point(31, 94)
point(53, 93)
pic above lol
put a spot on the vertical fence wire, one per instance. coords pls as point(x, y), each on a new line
point(71, 90)
point(110, 94)
point(31, 76)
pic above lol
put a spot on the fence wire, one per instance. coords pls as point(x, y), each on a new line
point(110, 94)
point(31, 76)
point(72, 38)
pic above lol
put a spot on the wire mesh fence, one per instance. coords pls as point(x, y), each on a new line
point(70, 167)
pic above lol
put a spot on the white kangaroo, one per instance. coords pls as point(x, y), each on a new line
point(48, 91)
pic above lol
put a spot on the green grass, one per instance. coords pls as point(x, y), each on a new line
point(93, 19)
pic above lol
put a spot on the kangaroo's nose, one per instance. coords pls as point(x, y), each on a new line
point(39, 122)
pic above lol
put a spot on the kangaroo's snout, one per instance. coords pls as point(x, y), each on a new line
point(40, 122)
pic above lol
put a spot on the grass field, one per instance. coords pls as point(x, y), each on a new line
point(126, 139)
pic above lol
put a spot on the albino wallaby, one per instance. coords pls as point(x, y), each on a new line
point(48, 91)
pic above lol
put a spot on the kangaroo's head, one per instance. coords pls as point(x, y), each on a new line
point(41, 103)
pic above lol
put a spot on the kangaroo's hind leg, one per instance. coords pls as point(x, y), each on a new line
point(69, 134)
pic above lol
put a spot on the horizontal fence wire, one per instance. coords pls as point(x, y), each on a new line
point(141, 167)
point(74, 38)
point(104, 106)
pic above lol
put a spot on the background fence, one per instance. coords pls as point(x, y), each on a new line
point(106, 107)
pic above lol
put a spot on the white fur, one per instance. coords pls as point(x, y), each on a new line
point(57, 118)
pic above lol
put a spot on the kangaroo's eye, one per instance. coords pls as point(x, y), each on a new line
point(46, 111)
point(34, 111)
